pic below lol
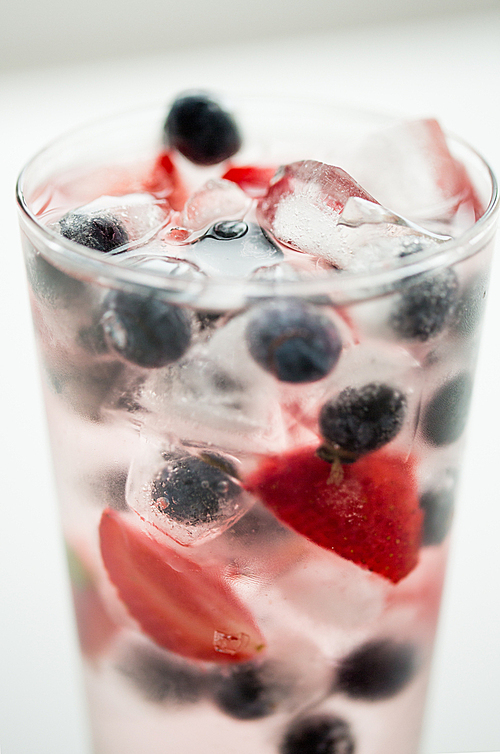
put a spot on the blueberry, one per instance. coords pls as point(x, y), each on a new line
point(51, 285)
point(363, 419)
point(145, 330)
point(162, 679)
point(445, 417)
point(192, 490)
point(437, 505)
point(200, 129)
point(292, 340)
point(98, 232)
point(318, 734)
point(376, 670)
point(247, 692)
point(426, 306)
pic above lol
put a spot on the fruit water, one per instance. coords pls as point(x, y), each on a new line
point(257, 326)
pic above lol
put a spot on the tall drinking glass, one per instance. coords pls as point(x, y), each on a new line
point(257, 369)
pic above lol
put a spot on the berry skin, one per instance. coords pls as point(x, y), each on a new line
point(426, 306)
point(182, 606)
point(445, 417)
point(292, 340)
point(100, 233)
point(363, 419)
point(368, 513)
point(199, 128)
point(245, 693)
point(377, 670)
point(318, 734)
point(145, 330)
point(191, 491)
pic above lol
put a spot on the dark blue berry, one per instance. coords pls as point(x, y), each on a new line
point(193, 491)
point(161, 678)
point(445, 416)
point(318, 734)
point(437, 505)
point(200, 129)
point(145, 330)
point(376, 670)
point(51, 285)
point(247, 693)
point(363, 419)
point(292, 340)
point(98, 232)
point(426, 306)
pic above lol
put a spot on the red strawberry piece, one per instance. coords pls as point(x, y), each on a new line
point(165, 181)
point(183, 607)
point(254, 180)
point(367, 511)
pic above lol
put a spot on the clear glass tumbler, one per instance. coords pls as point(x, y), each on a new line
point(257, 452)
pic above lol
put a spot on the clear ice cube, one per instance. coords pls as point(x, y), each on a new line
point(218, 199)
point(187, 495)
point(409, 167)
point(233, 249)
point(319, 209)
point(142, 215)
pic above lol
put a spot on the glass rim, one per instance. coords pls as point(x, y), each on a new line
point(342, 288)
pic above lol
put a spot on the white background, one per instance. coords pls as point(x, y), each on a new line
point(65, 64)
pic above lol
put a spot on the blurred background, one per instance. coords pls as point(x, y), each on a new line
point(63, 63)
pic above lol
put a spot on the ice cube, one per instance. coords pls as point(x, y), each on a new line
point(188, 496)
point(319, 209)
point(410, 168)
point(233, 249)
point(141, 215)
point(167, 266)
point(218, 199)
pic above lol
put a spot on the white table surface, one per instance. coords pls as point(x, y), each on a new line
point(449, 68)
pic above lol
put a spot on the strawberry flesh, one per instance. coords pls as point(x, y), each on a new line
point(252, 179)
point(183, 607)
point(369, 513)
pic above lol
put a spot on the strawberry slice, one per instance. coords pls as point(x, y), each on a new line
point(367, 511)
point(252, 179)
point(180, 605)
point(165, 181)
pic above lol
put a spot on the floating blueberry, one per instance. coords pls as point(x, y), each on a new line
point(292, 340)
point(445, 417)
point(200, 129)
point(145, 330)
point(98, 232)
point(437, 505)
point(318, 734)
point(426, 306)
point(376, 670)
point(247, 692)
point(363, 419)
point(191, 490)
point(162, 679)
